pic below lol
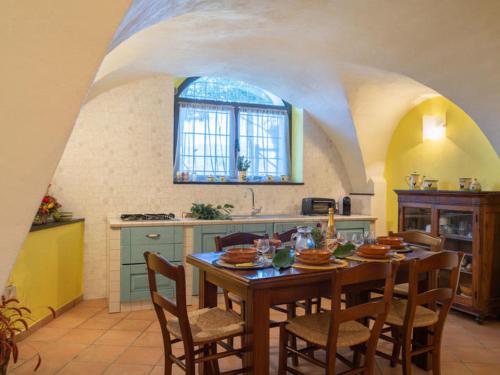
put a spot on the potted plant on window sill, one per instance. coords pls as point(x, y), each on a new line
point(242, 165)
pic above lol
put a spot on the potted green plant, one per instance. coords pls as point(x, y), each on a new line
point(13, 320)
point(242, 165)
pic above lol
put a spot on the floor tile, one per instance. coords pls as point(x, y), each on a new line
point(132, 325)
point(118, 337)
point(119, 369)
point(149, 339)
point(48, 334)
point(82, 336)
point(99, 323)
point(83, 368)
point(140, 356)
point(101, 353)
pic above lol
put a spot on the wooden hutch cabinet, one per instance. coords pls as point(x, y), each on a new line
point(469, 222)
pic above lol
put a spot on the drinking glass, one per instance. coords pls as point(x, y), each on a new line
point(262, 248)
point(369, 237)
point(358, 240)
point(341, 238)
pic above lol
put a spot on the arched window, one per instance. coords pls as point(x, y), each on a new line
point(219, 121)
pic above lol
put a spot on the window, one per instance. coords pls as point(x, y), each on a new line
point(218, 120)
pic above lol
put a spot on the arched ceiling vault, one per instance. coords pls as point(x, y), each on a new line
point(356, 67)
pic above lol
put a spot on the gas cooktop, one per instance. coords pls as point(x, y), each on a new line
point(147, 217)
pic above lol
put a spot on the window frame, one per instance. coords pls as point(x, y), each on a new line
point(236, 105)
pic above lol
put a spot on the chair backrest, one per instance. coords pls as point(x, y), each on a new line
point(158, 265)
point(285, 236)
point(234, 239)
point(447, 261)
point(362, 277)
point(417, 237)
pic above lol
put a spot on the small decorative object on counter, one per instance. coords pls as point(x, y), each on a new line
point(242, 166)
point(284, 178)
point(475, 186)
point(222, 178)
point(464, 183)
point(414, 181)
point(185, 176)
point(211, 179)
point(346, 206)
point(48, 207)
point(270, 178)
point(430, 184)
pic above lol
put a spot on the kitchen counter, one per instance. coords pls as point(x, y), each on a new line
point(115, 222)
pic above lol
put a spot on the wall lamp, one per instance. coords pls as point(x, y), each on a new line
point(433, 127)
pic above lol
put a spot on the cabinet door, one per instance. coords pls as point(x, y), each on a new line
point(350, 228)
point(134, 284)
point(415, 218)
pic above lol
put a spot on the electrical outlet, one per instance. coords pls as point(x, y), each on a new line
point(10, 291)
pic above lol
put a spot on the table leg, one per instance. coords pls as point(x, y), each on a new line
point(257, 332)
point(207, 298)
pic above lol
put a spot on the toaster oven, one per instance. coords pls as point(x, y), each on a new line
point(317, 206)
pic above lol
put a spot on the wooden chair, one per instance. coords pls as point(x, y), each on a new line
point(339, 328)
point(309, 303)
point(420, 239)
point(235, 239)
point(406, 314)
point(203, 328)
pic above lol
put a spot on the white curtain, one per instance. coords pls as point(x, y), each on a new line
point(264, 139)
point(205, 140)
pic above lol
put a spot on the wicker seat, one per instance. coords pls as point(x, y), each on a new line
point(314, 329)
point(208, 325)
point(199, 331)
point(423, 316)
point(341, 327)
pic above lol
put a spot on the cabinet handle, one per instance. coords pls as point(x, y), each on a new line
point(153, 236)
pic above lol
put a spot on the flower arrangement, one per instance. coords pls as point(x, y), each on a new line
point(243, 164)
point(48, 207)
point(13, 320)
point(319, 236)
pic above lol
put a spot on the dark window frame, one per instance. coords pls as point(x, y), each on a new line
point(236, 105)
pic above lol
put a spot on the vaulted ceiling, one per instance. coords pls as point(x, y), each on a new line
point(355, 66)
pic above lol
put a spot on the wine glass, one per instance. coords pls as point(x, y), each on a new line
point(358, 240)
point(369, 237)
point(262, 248)
point(341, 238)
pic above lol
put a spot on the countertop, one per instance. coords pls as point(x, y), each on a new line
point(54, 224)
point(116, 222)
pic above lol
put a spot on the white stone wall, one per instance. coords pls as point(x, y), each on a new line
point(119, 159)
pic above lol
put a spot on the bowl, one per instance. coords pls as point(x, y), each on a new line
point(314, 256)
point(393, 242)
point(374, 250)
point(237, 255)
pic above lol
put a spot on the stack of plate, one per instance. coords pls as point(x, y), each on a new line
point(374, 251)
point(63, 216)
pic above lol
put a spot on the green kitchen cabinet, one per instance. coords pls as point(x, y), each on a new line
point(165, 240)
point(349, 228)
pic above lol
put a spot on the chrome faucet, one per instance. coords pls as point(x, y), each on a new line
point(255, 210)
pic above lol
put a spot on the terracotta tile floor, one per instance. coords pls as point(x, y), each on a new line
point(88, 340)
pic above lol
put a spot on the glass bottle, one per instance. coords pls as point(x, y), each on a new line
point(331, 241)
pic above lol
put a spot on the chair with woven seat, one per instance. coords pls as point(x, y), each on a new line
point(420, 239)
point(235, 239)
point(308, 304)
point(419, 310)
point(341, 327)
point(204, 328)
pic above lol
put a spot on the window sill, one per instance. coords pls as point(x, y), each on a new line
point(264, 183)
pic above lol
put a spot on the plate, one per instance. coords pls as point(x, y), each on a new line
point(256, 265)
point(373, 256)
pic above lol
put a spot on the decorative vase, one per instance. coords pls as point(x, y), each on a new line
point(40, 219)
point(242, 175)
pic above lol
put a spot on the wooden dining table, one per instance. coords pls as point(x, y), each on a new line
point(263, 288)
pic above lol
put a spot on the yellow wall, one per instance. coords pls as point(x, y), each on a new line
point(465, 152)
point(49, 269)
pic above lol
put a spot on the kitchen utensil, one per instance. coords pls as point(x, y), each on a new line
point(302, 240)
point(414, 181)
point(464, 183)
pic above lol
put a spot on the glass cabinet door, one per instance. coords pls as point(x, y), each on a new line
point(457, 228)
point(417, 218)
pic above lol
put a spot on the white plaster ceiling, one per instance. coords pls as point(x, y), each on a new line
point(355, 66)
